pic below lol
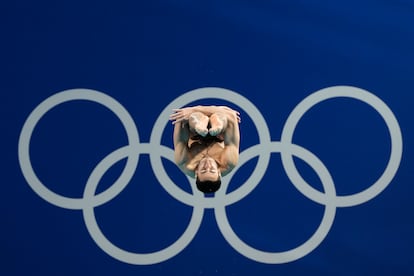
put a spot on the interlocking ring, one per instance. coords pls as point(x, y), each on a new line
point(156, 151)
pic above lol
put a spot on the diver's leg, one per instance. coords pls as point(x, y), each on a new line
point(218, 122)
point(198, 123)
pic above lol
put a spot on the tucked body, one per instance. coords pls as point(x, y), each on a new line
point(206, 143)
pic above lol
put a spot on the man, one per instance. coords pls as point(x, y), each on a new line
point(206, 143)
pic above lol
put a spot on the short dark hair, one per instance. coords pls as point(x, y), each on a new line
point(208, 186)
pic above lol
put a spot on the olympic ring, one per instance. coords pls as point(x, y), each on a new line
point(380, 107)
point(40, 111)
point(287, 149)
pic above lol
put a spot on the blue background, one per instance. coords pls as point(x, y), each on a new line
point(147, 53)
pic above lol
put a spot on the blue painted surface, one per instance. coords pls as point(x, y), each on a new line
point(147, 54)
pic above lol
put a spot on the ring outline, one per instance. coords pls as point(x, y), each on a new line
point(393, 128)
point(44, 107)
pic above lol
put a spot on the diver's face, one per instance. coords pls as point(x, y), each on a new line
point(207, 170)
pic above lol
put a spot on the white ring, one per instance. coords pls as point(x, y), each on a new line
point(109, 247)
point(312, 242)
point(40, 111)
point(197, 198)
point(380, 107)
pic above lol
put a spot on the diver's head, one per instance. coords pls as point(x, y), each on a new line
point(208, 175)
